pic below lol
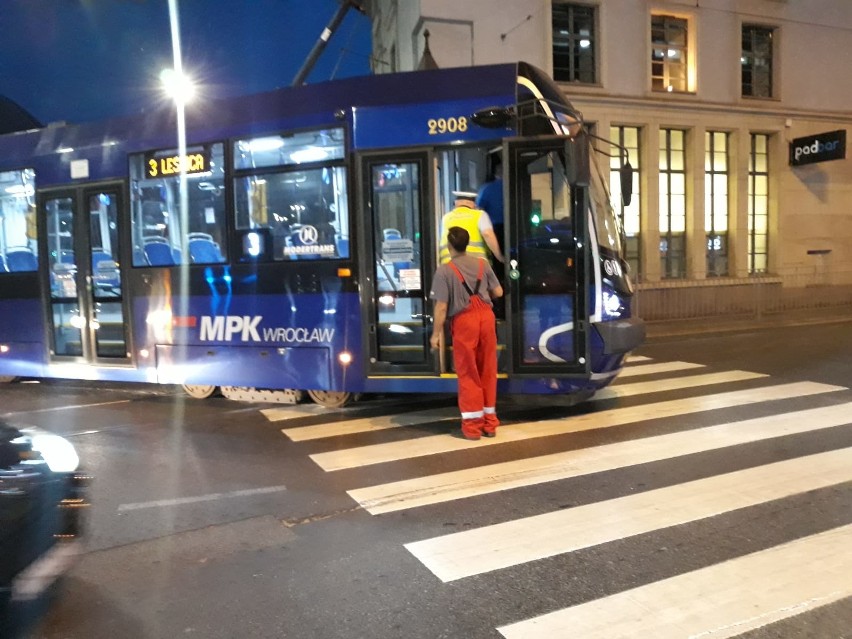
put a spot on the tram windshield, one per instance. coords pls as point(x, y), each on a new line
point(539, 96)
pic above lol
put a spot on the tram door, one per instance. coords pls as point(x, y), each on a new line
point(545, 270)
point(397, 247)
point(86, 310)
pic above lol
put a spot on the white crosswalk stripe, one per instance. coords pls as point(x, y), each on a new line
point(659, 367)
point(673, 383)
point(370, 424)
point(724, 600)
point(632, 359)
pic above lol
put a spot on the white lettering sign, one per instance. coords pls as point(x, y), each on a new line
point(228, 328)
point(816, 147)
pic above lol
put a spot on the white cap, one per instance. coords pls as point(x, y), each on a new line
point(464, 195)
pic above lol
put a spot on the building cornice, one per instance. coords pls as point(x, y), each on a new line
point(674, 105)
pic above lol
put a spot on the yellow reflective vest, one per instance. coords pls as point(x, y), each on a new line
point(468, 219)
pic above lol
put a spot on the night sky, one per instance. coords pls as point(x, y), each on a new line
point(84, 60)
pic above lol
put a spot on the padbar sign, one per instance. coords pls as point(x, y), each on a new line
point(818, 148)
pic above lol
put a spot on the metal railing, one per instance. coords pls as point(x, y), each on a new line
point(759, 297)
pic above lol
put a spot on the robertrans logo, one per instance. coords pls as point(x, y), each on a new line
point(246, 328)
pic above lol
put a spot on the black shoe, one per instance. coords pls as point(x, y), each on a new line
point(486, 433)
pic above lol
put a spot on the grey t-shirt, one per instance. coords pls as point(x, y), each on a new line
point(446, 286)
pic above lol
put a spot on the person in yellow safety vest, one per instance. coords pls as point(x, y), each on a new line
point(477, 224)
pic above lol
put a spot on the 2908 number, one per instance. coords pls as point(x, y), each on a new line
point(447, 125)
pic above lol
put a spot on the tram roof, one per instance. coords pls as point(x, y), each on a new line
point(286, 108)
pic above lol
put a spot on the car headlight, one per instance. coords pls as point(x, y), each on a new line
point(57, 452)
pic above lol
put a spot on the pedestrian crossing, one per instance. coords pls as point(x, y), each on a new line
point(723, 599)
point(483, 480)
point(437, 444)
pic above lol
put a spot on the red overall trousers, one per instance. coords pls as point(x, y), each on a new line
point(475, 359)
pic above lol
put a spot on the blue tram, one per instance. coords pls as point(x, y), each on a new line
point(287, 245)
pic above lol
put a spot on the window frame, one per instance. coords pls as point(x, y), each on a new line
point(758, 261)
point(632, 243)
point(711, 215)
point(573, 70)
point(688, 49)
point(264, 238)
point(178, 246)
point(772, 76)
point(673, 260)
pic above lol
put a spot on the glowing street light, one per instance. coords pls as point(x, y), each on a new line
point(178, 86)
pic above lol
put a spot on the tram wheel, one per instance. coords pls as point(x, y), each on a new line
point(331, 399)
point(199, 391)
point(6, 379)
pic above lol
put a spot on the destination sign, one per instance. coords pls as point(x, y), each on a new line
point(169, 165)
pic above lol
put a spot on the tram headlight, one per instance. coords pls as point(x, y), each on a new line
point(613, 308)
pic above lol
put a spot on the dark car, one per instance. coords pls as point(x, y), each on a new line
point(43, 498)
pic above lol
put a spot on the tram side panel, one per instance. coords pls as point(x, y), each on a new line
point(22, 331)
point(232, 335)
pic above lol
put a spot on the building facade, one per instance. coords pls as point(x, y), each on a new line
point(735, 114)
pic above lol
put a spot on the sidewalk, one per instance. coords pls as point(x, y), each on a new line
point(725, 324)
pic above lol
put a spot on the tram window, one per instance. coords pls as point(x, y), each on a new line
point(158, 238)
point(304, 212)
point(105, 255)
point(547, 232)
point(59, 220)
point(396, 215)
point(289, 149)
point(103, 228)
point(18, 237)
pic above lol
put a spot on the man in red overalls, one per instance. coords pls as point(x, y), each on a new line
point(462, 290)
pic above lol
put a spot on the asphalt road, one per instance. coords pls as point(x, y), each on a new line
point(708, 493)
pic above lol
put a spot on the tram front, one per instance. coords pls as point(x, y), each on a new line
point(570, 318)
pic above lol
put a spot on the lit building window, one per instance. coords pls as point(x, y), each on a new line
point(756, 62)
point(573, 43)
point(716, 201)
point(669, 53)
point(672, 203)
point(758, 203)
point(627, 137)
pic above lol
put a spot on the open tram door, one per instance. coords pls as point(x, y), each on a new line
point(546, 192)
point(81, 278)
point(397, 249)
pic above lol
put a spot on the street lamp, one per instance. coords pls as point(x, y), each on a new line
point(178, 86)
